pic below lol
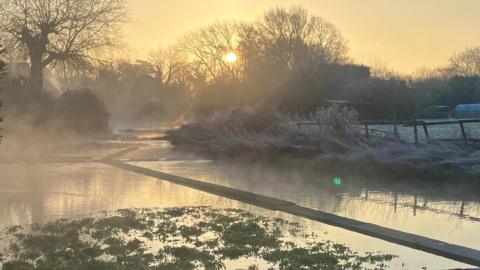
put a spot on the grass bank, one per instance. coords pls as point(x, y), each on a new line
point(261, 132)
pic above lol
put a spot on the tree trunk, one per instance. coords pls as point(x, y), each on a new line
point(36, 72)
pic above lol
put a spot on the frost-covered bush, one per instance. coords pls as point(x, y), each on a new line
point(264, 129)
point(336, 119)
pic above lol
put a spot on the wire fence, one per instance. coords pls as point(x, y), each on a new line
point(462, 130)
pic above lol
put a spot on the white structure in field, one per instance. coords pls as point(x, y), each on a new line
point(467, 110)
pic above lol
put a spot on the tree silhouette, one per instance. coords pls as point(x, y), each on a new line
point(207, 47)
point(298, 39)
point(51, 31)
point(3, 65)
point(466, 63)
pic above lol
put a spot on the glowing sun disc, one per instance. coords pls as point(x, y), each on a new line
point(231, 57)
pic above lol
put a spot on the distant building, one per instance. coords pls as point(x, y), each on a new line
point(467, 110)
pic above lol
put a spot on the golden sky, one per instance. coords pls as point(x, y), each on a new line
point(403, 34)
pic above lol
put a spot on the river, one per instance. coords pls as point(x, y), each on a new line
point(39, 192)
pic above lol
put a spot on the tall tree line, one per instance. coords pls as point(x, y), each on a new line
point(288, 57)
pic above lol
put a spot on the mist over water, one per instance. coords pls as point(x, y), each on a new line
point(33, 192)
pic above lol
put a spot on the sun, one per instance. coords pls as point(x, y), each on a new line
point(231, 57)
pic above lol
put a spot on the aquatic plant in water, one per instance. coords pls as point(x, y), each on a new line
point(177, 238)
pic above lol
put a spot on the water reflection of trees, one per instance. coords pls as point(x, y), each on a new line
point(425, 203)
point(318, 191)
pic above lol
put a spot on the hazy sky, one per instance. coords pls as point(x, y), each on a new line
point(404, 34)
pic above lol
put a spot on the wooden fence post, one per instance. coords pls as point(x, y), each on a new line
point(395, 202)
point(425, 129)
point(415, 132)
point(415, 205)
point(366, 130)
point(462, 209)
point(395, 129)
point(464, 135)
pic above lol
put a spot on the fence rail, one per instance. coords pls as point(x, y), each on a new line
point(415, 124)
point(425, 126)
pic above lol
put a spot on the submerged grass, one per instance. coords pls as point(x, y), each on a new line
point(177, 238)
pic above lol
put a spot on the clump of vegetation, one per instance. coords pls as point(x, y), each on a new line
point(83, 112)
point(261, 128)
point(76, 112)
point(177, 238)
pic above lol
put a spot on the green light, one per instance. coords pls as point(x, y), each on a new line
point(337, 181)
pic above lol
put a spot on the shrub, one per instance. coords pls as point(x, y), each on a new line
point(26, 107)
point(262, 128)
point(76, 112)
point(83, 112)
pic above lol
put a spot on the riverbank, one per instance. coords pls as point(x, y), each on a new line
point(256, 133)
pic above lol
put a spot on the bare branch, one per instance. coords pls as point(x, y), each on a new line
point(71, 31)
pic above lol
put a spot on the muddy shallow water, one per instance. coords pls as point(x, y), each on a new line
point(42, 192)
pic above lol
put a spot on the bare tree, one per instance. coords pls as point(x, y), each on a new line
point(465, 63)
point(291, 37)
point(170, 66)
point(207, 48)
point(71, 31)
point(325, 41)
point(295, 38)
